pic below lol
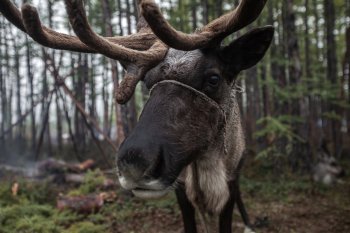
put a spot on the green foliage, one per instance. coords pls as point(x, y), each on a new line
point(32, 211)
point(37, 224)
point(28, 192)
point(93, 182)
point(66, 218)
point(279, 129)
point(277, 189)
point(28, 217)
point(332, 116)
point(6, 197)
point(280, 126)
point(85, 227)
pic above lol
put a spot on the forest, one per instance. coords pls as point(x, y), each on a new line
point(295, 104)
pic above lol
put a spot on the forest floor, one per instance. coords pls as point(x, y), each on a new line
point(286, 204)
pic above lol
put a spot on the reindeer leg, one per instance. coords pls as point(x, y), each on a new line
point(187, 210)
point(241, 207)
point(225, 221)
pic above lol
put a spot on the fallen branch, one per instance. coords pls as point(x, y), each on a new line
point(85, 204)
point(81, 204)
point(52, 166)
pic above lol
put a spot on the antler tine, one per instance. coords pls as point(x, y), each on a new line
point(83, 30)
point(139, 52)
point(135, 73)
point(29, 22)
point(48, 37)
point(138, 62)
point(127, 87)
point(12, 14)
point(211, 34)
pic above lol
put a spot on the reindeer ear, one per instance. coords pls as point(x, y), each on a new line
point(248, 49)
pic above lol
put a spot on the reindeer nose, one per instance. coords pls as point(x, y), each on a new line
point(132, 163)
point(138, 164)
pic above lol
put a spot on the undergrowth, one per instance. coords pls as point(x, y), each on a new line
point(33, 209)
point(93, 181)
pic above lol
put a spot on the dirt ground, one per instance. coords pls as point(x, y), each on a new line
point(314, 212)
point(301, 208)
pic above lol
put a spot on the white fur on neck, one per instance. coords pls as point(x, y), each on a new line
point(212, 183)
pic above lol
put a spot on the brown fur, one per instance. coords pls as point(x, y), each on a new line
point(216, 167)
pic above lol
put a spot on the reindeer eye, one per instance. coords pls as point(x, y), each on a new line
point(214, 80)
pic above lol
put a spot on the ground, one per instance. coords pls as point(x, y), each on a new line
point(288, 203)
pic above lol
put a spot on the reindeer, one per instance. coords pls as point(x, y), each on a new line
point(189, 136)
point(326, 170)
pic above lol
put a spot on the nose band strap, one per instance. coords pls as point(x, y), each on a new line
point(201, 95)
point(198, 93)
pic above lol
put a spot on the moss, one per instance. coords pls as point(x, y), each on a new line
point(66, 218)
point(37, 224)
point(85, 227)
point(93, 181)
point(39, 193)
point(27, 218)
point(276, 189)
point(6, 197)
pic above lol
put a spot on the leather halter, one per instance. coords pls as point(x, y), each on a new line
point(201, 95)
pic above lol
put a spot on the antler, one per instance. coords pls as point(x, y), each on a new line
point(138, 62)
point(30, 23)
point(211, 34)
point(139, 52)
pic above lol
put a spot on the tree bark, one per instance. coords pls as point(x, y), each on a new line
point(205, 14)
point(18, 89)
point(312, 116)
point(31, 85)
point(2, 90)
point(114, 66)
point(332, 70)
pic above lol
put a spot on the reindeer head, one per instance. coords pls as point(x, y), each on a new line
point(190, 89)
point(190, 77)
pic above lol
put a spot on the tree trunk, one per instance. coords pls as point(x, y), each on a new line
point(194, 16)
point(317, 28)
point(205, 14)
point(18, 90)
point(59, 124)
point(105, 98)
point(332, 74)
point(31, 85)
point(312, 116)
point(346, 69)
point(294, 72)
point(10, 110)
point(114, 65)
point(218, 6)
point(2, 85)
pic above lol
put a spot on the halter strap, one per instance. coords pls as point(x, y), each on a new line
point(201, 95)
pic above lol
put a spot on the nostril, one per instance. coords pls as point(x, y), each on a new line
point(141, 163)
point(156, 170)
point(132, 163)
